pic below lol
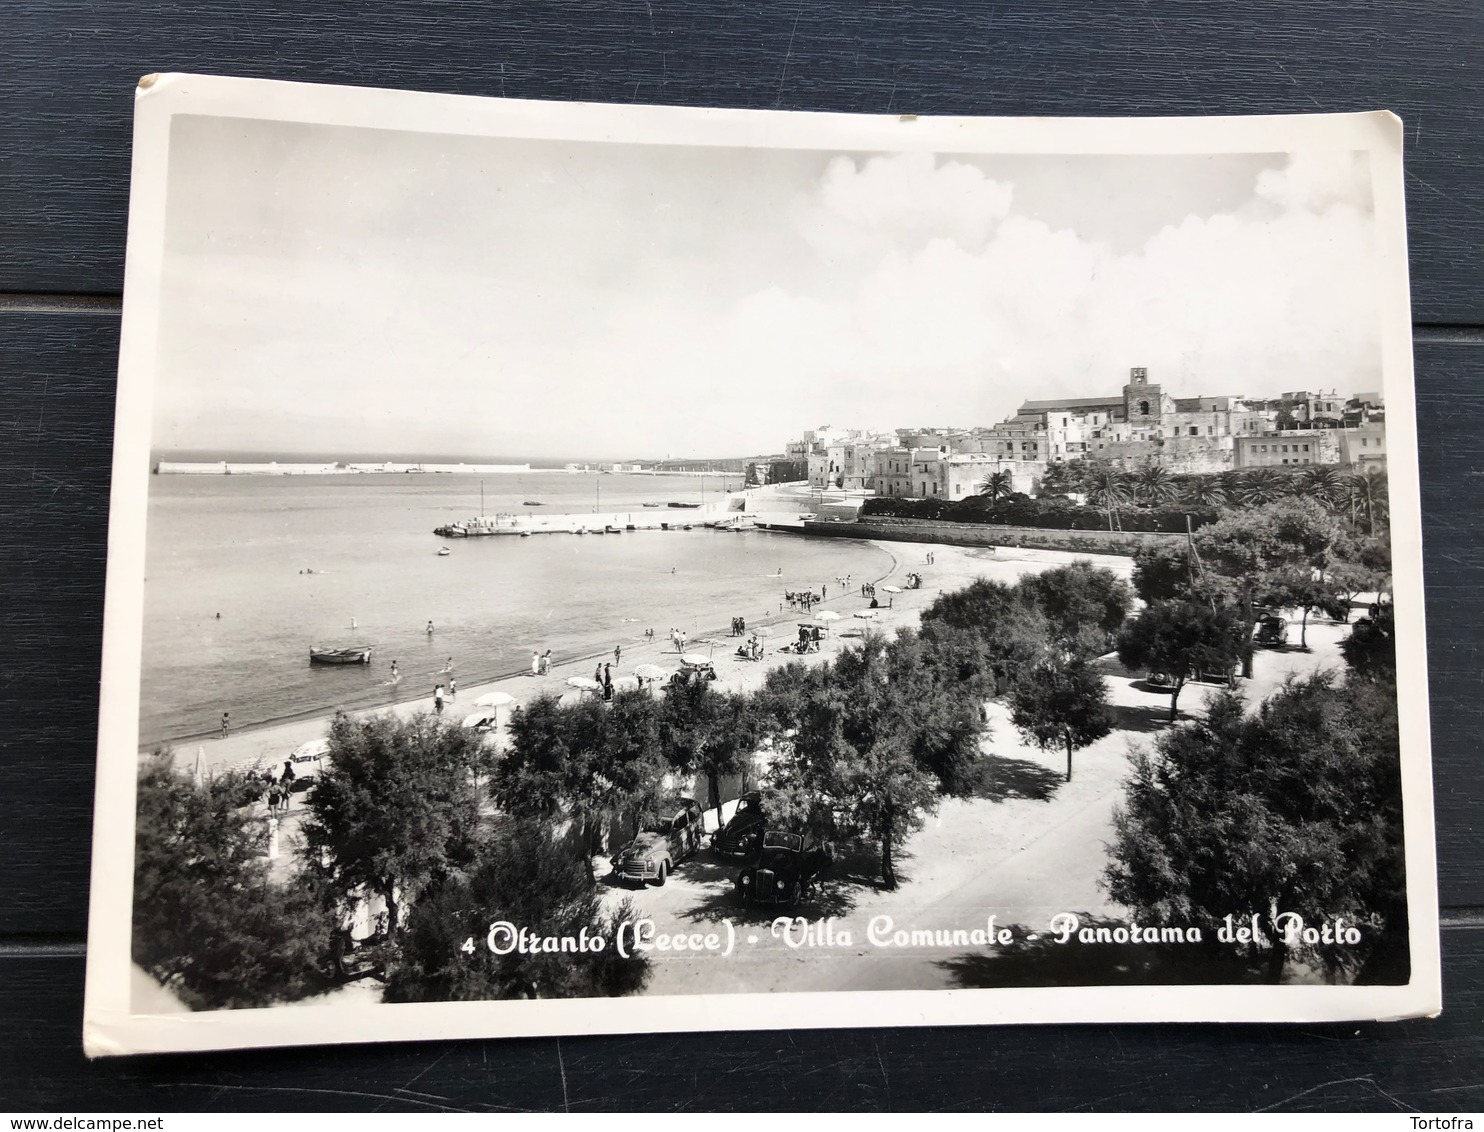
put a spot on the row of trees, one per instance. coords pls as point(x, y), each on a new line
point(1359, 497)
point(863, 747)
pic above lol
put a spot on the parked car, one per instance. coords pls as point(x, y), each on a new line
point(785, 870)
point(742, 836)
point(1272, 631)
point(663, 844)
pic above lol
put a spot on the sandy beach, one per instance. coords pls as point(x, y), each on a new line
point(952, 568)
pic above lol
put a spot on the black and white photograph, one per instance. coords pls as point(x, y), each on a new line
point(582, 568)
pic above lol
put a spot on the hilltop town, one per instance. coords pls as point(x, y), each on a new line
point(1142, 427)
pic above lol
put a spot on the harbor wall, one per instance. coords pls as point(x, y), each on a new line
point(986, 534)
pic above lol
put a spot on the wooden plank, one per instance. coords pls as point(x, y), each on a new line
point(55, 428)
point(1419, 1065)
point(71, 69)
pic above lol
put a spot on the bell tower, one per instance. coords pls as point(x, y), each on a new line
point(1142, 402)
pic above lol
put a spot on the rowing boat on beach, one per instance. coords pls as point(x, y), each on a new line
point(358, 655)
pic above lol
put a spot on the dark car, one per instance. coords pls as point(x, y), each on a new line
point(742, 836)
point(1272, 631)
point(665, 842)
point(785, 869)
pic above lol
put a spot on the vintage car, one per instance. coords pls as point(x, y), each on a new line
point(664, 843)
point(785, 869)
point(1272, 631)
point(742, 836)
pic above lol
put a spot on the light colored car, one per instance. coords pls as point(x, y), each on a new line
point(666, 841)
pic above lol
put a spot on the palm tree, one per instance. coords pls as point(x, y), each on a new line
point(1205, 491)
point(1230, 483)
point(1324, 484)
point(1262, 485)
point(1107, 487)
point(1155, 486)
point(997, 485)
point(1369, 496)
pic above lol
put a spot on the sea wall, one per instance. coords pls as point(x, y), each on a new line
point(988, 534)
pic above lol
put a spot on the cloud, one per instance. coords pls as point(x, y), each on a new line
point(885, 202)
point(1316, 181)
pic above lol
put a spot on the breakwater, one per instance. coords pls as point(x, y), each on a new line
point(989, 534)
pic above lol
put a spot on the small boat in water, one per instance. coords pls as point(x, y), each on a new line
point(531, 503)
point(444, 552)
point(613, 529)
point(651, 505)
point(358, 655)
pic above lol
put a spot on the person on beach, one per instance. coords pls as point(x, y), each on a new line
point(438, 699)
point(226, 724)
point(545, 662)
point(535, 663)
point(448, 665)
point(617, 653)
point(430, 628)
point(824, 592)
point(453, 688)
point(275, 799)
point(287, 782)
point(598, 674)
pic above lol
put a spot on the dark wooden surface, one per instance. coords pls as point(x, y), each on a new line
point(67, 88)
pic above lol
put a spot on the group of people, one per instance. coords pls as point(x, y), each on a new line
point(752, 650)
point(279, 788)
point(739, 626)
point(677, 638)
point(603, 674)
point(802, 599)
point(809, 636)
point(540, 662)
point(440, 695)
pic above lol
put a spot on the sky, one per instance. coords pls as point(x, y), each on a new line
point(335, 290)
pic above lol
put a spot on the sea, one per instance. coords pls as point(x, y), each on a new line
point(245, 573)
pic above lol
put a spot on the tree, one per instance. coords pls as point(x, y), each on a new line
point(1155, 486)
point(1324, 484)
point(1085, 604)
point(1061, 702)
point(942, 686)
point(1303, 590)
point(857, 742)
point(1253, 548)
point(1260, 486)
point(1107, 488)
point(526, 878)
point(395, 810)
point(1205, 491)
point(1010, 628)
point(552, 757)
point(1370, 497)
point(209, 921)
point(703, 731)
point(1293, 810)
point(1163, 571)
point(997, 485)
point(630, 767)
point(1370, 649)
point(1179, 640)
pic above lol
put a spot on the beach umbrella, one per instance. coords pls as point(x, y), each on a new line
point(892, 589)
point(200, 772)
point(314, 749)
point(696, 660)
point(865, 614)
point(495, 699)
point(584, 683)
point(829, 615)
point(652, 672)
point(762, 631)
point(479, 719)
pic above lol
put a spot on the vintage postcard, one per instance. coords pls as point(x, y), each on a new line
point(584, 568)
